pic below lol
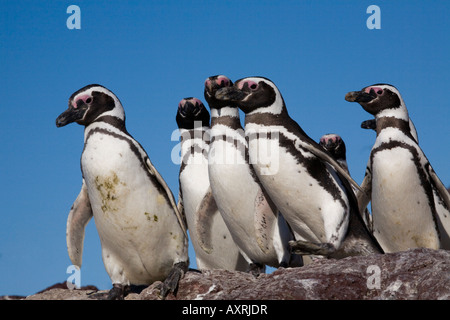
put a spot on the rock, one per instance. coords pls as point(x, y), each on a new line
point(61, 294)
point(60, 291)
point(414, 274)
point(63, 285)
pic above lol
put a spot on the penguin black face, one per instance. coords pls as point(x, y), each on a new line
point(212, 84)
point(250, 93)
point(334, 144)
point(376, 98)
point(191, 110)
point(86, 104)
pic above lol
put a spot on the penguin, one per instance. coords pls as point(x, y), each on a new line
point(256, 225)
point(142, 234)
point(303, 180)
point(335, 145)
point(410, 205)
point(193, 123)
point(372, 124)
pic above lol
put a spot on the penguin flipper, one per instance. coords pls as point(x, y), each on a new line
point(265, 219)
point(437, 183)
point(205, 212)
point(363, 195)
point(323, 155)
point(181, 218)
point(79, 216)
point(311, 248)
point(180, 205)
point(442, 204)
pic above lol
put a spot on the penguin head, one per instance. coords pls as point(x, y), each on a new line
point(191, 112)
point(377, 98)
point(88, 104)
point(212, 84)
point(251, 94)
point(334, 144)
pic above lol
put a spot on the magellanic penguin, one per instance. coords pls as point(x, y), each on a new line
point(256, 226)
point(304, 181)
point(410, 205)
point(360, 233)
point(372, 124)
point(193, 123)
point(142, 234)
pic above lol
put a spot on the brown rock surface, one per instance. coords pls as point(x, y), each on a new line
point(413, 274)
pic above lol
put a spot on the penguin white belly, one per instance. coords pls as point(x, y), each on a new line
point(132, 218)
point(311, 211)
point(401, 212)
point(226, 254)
point(235, 191)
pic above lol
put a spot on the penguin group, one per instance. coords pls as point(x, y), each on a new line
point(265, 194)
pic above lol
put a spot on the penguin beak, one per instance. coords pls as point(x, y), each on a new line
point(70, 115)
point(230, 94)
point(190, 106)
point(330, 144)
point(359, 96)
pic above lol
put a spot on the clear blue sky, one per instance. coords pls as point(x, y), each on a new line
point(154, 53)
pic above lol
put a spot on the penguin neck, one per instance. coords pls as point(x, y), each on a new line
point(114, 117)
point(275, 114)
point(400, 113)
point(394, 118)
point(194, 145)
point(197, 135)
point(113, 121)
point(108, 121)
point(227, 116)
point(384, 123)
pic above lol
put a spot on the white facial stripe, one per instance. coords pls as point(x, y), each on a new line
point(118, 109)
point(274, 108)
point(90, 90)
point(399, 113)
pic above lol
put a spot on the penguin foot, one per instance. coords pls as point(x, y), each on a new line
point(308, 248)
point(118, 292)
point(256, 269)
point(172, 280)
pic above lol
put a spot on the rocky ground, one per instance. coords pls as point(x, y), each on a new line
point(415, 274)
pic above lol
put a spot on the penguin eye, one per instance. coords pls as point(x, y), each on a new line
point(376, 90)
point(89, 100)
point(222, 81)
point(248, 85)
